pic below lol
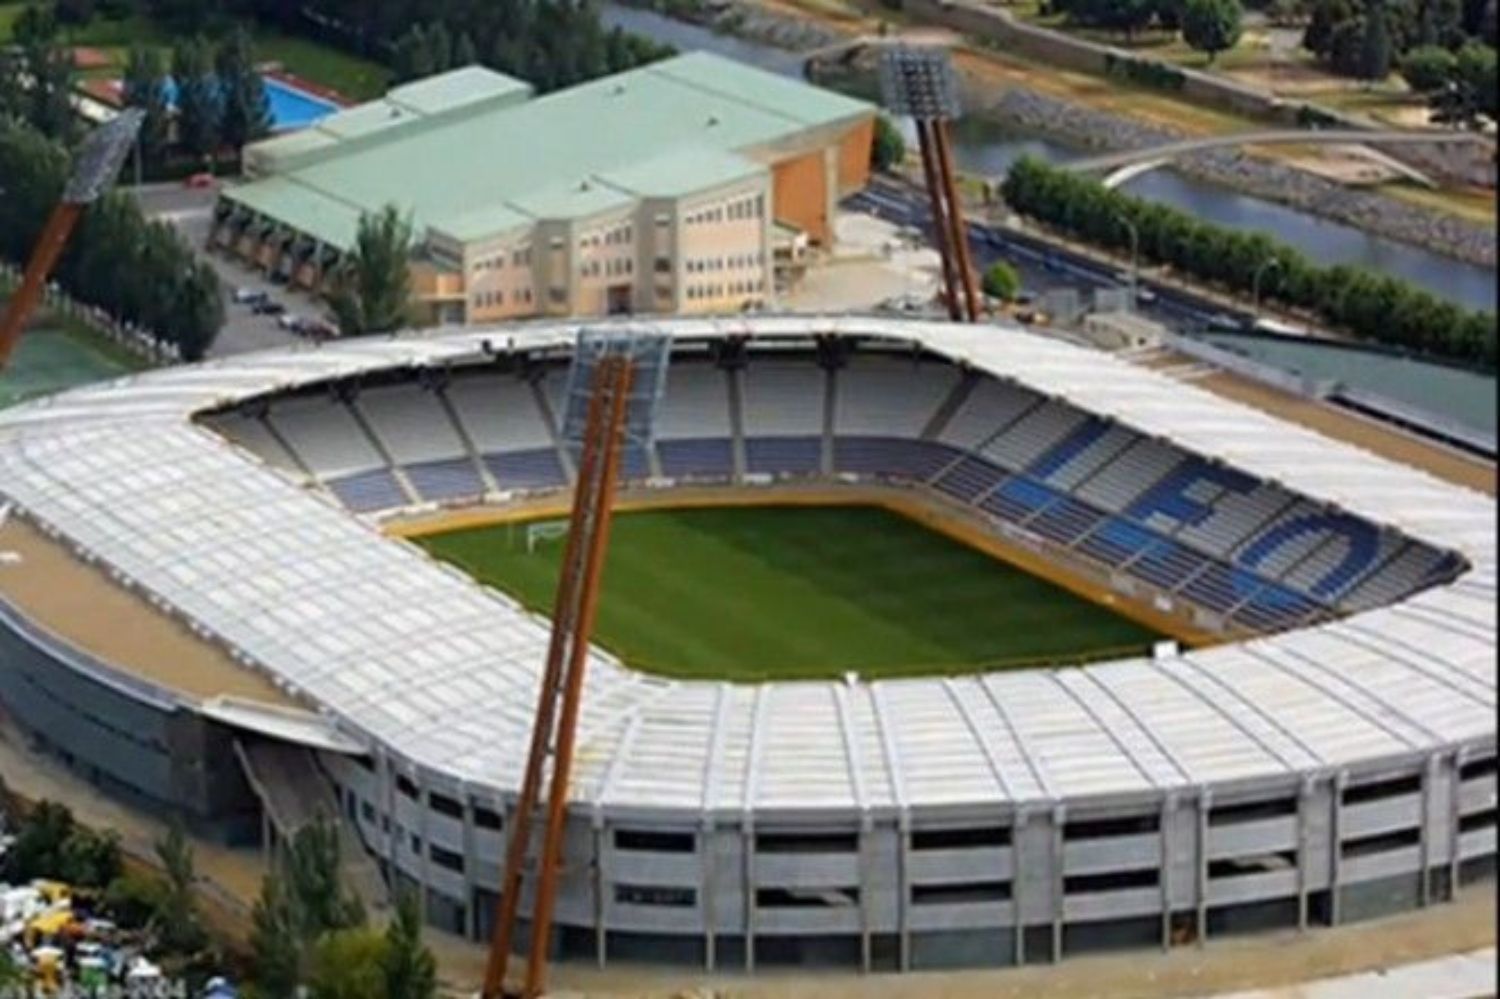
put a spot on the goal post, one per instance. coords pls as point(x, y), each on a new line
point(542, 531)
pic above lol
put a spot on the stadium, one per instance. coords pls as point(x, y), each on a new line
point(1300, 733)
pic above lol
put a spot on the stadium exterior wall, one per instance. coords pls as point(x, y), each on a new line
point(961, 886)
point(122, 734)
point(900, 886)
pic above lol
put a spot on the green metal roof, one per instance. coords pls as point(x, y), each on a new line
point(673, 174)
point(321, 217)
point(456, 88)
point(669, 127)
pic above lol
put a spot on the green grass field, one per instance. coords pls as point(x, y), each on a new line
point(803, 592)
point(50, 360)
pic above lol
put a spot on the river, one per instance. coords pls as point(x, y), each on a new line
point(985, 146)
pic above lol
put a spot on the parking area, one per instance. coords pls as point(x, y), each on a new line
point(190, 210)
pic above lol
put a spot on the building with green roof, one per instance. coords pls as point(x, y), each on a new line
point(662, 189)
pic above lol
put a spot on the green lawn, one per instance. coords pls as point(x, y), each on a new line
point(50, 360)
point(355, 78)
point(802, 592)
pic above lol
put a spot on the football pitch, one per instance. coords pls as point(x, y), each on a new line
point(764, 593)
point(50, 360)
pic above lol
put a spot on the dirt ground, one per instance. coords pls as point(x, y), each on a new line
point(79, 604)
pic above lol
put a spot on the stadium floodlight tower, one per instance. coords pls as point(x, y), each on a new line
point(615, 387)
point(919, 81)
point(94, 170)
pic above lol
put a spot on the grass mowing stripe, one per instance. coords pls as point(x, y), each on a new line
point(802, 592)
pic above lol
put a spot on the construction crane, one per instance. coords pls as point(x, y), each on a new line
point(614, 389)
point(94, 170)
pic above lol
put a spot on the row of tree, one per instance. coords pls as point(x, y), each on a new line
point(37, 77)
point(1370, 306)
point(1210, 26)
point(1460, 87)
point(1367, 39)
point(549, 43)
point(220, 99)
point(309, 932)
point(139, 271)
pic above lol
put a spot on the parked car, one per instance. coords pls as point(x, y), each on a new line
point(268, 307)
point(249, 296)
point(294, 324)
point(201, 181)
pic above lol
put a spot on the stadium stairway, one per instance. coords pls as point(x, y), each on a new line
point(490, 486)
point(295, 794)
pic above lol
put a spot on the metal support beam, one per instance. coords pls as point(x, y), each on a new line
point(555, 731)
point(44, 256)
point(957, 229)
point(926, 143)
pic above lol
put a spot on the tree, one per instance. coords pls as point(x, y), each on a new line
point(145, 87)
point(276, 942)
point(440, 47)
point(89, 859)
point(464, 53)
point(135, 900)
point(888, 149)
point(412, 57)
point(245, 110)
point(410, 972)
point(1325, 18)
point(178, 919)
point(1429, 68)
point(76, 12)
point(349, 964)
point(1212, 26)
point(1001, 281)
point(373, 290)
point(300, 902)
point(198, 104)
point(1375, 47)
point(49, 107)
point(39, 843)
point(1476, 71)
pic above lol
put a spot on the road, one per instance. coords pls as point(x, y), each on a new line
point(190, 211)
point(1044, 266)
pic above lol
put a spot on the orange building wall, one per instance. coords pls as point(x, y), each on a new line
point(801, 195)
point(854, 157)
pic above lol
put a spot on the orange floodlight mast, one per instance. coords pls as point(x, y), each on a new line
point(555, 727)
point(94, 170)
point(920, 82)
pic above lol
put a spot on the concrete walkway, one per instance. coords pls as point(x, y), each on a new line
point(1459, 976)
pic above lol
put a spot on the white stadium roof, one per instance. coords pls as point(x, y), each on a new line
point(407, 653)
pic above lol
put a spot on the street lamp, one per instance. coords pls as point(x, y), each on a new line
point(1267, 264)
point(1135, 255)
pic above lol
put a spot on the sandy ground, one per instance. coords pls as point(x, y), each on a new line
point(81, 605)
point(872, 261)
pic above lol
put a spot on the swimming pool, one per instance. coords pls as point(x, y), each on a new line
point(291, 107)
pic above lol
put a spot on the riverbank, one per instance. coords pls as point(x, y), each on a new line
point(1263, 178)
point(800, 25)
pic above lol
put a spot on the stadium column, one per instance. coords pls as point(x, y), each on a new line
point(1059, 887)
point(863, 866)
point(708, 903)
point(1431, 776)
point(1164, 865)
point(1306, 797)
point(388, 789)
point(903, 884)
point(1455, 813)
point(1335, 844)
point(471, 864)
point(1205, 805)
point(747, 845)
point(424, 827)
point(601, 936)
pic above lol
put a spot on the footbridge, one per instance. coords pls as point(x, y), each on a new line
point(846, 50)
point(1122, 166)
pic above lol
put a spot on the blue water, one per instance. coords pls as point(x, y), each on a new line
point(290, 107)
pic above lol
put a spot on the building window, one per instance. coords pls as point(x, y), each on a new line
point(668, 895)
point(557, 295)
point(446, 858)
point(486, 818)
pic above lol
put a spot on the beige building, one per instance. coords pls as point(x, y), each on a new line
point(676, 187)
